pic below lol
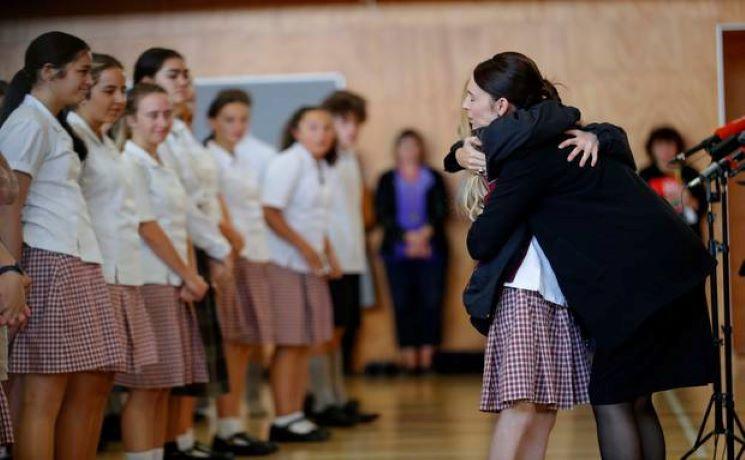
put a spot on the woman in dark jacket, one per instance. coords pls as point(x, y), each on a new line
point(623, 258)
point(411, 206)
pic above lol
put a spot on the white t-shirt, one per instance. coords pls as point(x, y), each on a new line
point(239, 185)
point(535, 274)
point(55, 216)
point(297, 184)
point(196, 167)
point(204, 227)
point(346, 227)
point(161, 194)
point(258, 154)
point(108, 188)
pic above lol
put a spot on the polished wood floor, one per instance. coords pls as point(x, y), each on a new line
point(436, 418)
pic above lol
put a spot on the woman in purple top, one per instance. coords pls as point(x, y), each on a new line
point(411, 206)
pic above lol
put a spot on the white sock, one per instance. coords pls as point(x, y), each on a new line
point(157, 454)
point(185, 441)
point(303, 426)
point(337, 377)
point(285, 420)
point(320, 382)
point(229, 426)
point(147, 455)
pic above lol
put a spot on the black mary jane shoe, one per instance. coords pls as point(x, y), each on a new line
point(335, 417)
point(241, 444)
point(284, 434)
point(352, 409)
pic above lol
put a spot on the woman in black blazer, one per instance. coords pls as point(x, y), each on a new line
point(624, 260)
point(411, 206)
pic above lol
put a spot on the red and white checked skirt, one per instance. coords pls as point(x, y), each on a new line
point(245, 311)
point(534, 353)
point(301, 307)
point(134, 320)
point(72, 326)
point(181, 358)
point(6, 425)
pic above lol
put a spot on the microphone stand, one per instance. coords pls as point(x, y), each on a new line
point(726, 421)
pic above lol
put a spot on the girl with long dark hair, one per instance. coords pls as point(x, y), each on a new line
point(62, 362)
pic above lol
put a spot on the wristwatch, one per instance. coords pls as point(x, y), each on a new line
point(12, 268)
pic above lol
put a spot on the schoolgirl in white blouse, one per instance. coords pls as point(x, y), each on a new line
point(62, 362)
point(296, 200)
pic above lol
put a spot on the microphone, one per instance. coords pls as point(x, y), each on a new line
point(733, 128)
point(727, 163)
point(727, 146)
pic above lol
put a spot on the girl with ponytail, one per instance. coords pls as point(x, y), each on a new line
point(566, 247)
point(72, 341)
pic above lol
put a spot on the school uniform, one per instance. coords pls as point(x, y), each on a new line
point(73, 327)
point(599, 227)
point(107, 185)
point(535, 351)
point(181, 355)
point(198, 173)
point(297, 184)
point(346, 232)
point(257, 154)
point(246, 313)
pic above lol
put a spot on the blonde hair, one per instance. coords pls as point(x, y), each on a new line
point(473, 187)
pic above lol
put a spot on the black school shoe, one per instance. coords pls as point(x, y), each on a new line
point(198, 452)
point(283, 434)
point(352, 409)
point(334, 417)
point(242, 444)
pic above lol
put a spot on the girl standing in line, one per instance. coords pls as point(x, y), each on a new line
point(62, 363)
point(108, 191)
point(198, 173)
point(245, 309)
point(170, 284)
point(295, 200)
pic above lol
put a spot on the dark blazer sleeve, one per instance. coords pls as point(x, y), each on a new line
point(614, 144)
point(450, 162)
point(527, 128)
point(385, 207)
point(521, 185)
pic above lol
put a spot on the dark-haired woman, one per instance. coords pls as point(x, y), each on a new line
point(71, 341)
point(244, 308)
point(198, 173)
point(669, 180)
point(295, 200)
point(108, 191)
point(411, 205)
point(598, 227)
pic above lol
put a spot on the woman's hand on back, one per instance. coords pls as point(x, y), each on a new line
point(585, 143)
point(470, 155)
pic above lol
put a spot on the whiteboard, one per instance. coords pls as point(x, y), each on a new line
point(275, 98)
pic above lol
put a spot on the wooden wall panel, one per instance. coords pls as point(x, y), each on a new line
point(734, 101)
point(635, 63)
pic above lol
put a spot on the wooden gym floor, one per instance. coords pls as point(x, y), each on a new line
point(436, 417)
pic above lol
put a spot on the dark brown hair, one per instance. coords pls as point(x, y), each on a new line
point(288, 138)
point(223, 98)
point(515, 77)
point(57, 49)
point(151, 61)
point(664, 134)
point(343, 103)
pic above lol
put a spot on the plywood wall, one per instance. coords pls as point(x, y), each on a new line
point(634, 63)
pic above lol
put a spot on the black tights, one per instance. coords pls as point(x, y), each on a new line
point(630, 431)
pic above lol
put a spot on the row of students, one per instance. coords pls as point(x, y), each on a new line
point(105, 237)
